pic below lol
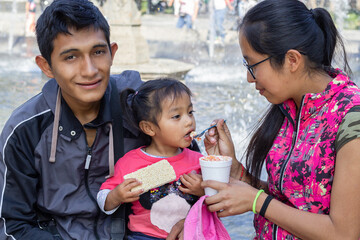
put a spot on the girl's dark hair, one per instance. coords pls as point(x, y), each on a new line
point(61, 15)
point(273, 27)
point(145, 104)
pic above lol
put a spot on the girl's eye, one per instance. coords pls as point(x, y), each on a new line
point(176, 117)
point(191, 112)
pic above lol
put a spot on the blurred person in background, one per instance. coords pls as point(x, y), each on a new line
point(30, 21)
point(187, 13)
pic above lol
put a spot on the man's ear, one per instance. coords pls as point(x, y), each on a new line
point(114, 47)
point(293, 59)
point(147, 127)
point(44, 66)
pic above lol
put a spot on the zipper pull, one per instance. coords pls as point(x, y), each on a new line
point(88, 159)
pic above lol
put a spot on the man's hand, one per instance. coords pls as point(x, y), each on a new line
point(177, 231)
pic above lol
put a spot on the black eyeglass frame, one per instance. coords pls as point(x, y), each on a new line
point(250, 67)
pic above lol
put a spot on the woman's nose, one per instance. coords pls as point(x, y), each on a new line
point(250, 78)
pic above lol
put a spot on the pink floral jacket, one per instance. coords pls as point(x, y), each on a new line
point(301, 162)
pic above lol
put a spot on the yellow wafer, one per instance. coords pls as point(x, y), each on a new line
point(154, 175)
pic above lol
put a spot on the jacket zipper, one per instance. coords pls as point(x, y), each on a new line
point(87, 165)
point(282, 170)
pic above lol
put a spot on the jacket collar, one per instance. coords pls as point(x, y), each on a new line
point(314, 102)
point(69, 125)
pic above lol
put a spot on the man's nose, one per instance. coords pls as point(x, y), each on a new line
point(88, 68)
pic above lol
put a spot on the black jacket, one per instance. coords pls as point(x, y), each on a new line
point(63, 189)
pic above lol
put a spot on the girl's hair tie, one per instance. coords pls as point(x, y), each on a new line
point(312, 12)
point(133, 97)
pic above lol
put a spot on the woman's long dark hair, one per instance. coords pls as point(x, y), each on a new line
point(273, 27)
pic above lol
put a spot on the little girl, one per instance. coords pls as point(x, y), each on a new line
point(163, 111)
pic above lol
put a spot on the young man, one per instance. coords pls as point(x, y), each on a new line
point(58, 147)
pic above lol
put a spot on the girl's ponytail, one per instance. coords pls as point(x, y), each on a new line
point(127, 101)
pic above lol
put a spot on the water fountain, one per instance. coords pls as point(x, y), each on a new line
point(133, 53)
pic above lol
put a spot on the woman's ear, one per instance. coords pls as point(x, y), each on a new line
point(44, 66)
point(293, 60)
point(147, 127)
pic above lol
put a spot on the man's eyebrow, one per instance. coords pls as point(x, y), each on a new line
point(76, 50)
point(69, 50)
point(100, 45)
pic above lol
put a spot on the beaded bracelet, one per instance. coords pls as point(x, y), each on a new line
point(265, 205)
point(256, 198)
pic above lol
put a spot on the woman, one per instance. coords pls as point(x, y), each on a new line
point(309, 138)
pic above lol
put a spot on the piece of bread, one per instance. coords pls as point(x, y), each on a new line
point(154, 175)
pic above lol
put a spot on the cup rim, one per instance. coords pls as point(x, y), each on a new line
point(224, 163)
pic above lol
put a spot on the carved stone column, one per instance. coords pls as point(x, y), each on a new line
point(133, 53)
point(125, 21)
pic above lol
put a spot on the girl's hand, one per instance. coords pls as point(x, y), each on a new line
point(232, 198)
point(218, 140)
point(122, 194)
point(192, 183)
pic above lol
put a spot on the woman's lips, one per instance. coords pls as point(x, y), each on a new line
point(261, 91)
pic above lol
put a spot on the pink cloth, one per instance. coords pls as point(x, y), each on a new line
point(201, 224)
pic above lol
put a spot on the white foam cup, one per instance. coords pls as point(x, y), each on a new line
point(218, 170)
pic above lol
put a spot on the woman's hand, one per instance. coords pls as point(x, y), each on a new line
point(232, 198)
point(218, 140)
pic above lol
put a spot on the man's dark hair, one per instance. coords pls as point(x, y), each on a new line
point(64, 14)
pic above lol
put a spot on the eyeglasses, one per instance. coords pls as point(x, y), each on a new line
point(250, 67)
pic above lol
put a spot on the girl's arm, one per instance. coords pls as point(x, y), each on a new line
point(343, 221)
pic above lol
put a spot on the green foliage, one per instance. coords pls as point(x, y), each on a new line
point(353, 20)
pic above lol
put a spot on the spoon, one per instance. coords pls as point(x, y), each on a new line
point(204, 131)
